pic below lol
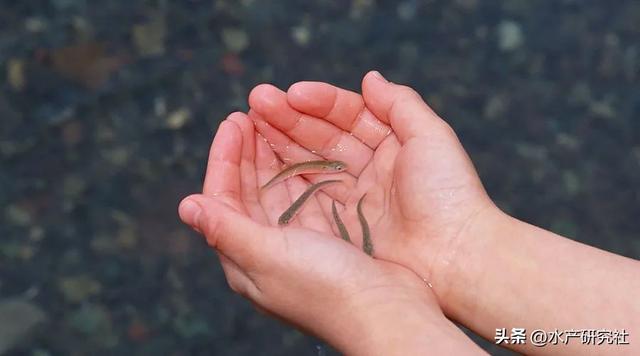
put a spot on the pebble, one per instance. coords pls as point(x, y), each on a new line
point(149, 37)
point(92, 319)
point(35, 24)
point(602, 109)
point(79, 288)
point(103, 244)
point(361, 7)
point(301, 35)
point(567, 141)
point(178, 118)
point(509, 35)
point(532, 152)
point(13, 250)
point(17, 215)
point(15, 74)
point(18, 320)
point(495, 107)
point(406, 10)
point(127, 238)
point(572, 184)
point(117, 156)
point(235, 39)
point(160, 106)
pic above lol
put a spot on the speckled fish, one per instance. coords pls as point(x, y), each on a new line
point(309, 167)
point(295, 207)
point(367, 245)
point(336, 217)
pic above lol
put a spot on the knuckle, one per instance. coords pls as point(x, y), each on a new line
point(236, 286)
point(211, 229)
point(404, 96)
point(446, 129)
point(406, 93)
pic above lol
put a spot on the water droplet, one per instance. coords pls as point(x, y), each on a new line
point(340, 147)
point(427, 282)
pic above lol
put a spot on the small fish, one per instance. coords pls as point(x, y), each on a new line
point(306, 168)
point(295, 207)
point(367, 245)
point(343, 230)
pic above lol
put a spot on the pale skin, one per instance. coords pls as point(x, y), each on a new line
point(428, 212)
point(303, 273)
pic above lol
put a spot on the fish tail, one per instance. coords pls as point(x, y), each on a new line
point(336, 217)
point(367, 244)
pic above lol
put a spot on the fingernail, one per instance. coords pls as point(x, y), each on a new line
point(379, 76)
point(190, 212)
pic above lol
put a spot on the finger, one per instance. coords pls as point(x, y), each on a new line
point(236, 278)
point(316, 135)
point(343, 108)
point(248, 179)
point(290, 152)
point(229, 231)
point(276, 199)
point(401, 107)
point(223, 168)
point(223, 179)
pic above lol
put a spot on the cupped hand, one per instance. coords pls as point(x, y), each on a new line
point(423, 193)
point(303, 273)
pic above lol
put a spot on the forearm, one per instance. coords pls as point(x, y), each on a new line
point(407, 329)
point(514, 275)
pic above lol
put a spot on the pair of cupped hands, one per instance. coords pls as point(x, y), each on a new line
point(423, 200)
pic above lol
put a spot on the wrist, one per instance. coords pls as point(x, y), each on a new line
point(403, 324)
point(512, 274)
point(460, 275)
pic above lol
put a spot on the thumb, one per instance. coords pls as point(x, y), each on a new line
point(226, 229)
point(401, 107)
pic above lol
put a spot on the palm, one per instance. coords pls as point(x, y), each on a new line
point(421, 190)
point(412, 186)
point(261, 260)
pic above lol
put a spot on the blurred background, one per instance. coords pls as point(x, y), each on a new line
point(107, 110)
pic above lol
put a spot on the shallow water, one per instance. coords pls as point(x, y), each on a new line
point(107, 112)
